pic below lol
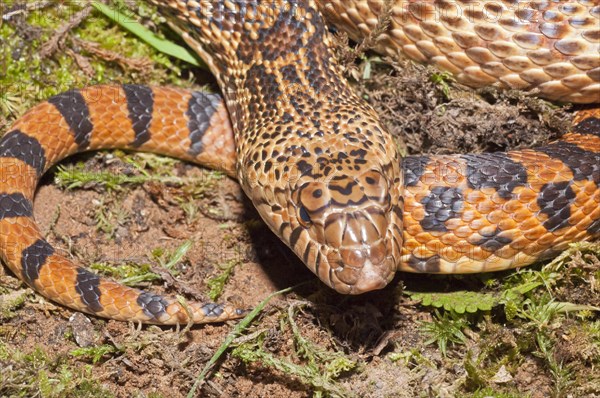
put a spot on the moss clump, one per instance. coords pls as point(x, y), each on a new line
point(37, 373)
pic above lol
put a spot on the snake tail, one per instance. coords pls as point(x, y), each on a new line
point(164, 120)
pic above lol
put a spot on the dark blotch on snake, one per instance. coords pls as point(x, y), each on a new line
point(201, 107)
point(212, 310)
point(555, 200)
point(495, 170)
point(74, 109)
point(430, 264)
point(33, 259)
point(492, 242)
point(140, 104)
point(88, 288)
point(18, 145)
point(414, 168)
point(15, 205)
point(153, 305)
point(442, 204)
point(584, 165)
point(590, 125)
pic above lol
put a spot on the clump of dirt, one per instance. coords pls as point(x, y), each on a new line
point(430, 114)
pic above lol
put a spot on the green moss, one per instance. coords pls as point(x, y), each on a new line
point(312, 364)
point(96, 353)
point(135, 274)
point(217, 283)
point(129, 274)
point(492, 393)
point(25, 75)
point(26, 78)
point(37, 373)
point(10, 302)
point(444, 81)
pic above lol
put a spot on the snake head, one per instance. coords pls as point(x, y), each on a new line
point(345, 227)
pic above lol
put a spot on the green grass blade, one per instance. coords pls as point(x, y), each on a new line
point(162, 45)
point(240, 327)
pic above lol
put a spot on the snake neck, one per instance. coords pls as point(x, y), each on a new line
point(262, 53)
point(313, 157)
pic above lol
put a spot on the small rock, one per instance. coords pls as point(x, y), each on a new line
point(83, 330)
point(502, 376)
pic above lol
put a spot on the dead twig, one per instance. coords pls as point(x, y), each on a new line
point(142, 65)
point(57, 40)
point(348, 55)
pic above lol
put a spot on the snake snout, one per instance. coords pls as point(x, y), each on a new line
point(350, 220)
point(361, 257)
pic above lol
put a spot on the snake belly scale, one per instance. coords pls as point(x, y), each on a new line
point(314, 159)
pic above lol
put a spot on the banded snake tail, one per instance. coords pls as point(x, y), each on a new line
point(313, 158)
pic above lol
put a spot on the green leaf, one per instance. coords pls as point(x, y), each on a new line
point(162, 45)
point(526, 287)
point(564, 307)
point(445, 328)
point(236, 332)
point(217, 283)
point(459, 302)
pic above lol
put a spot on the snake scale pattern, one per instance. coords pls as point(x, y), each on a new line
point(313, 157)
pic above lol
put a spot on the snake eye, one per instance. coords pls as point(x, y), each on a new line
point(304, 216)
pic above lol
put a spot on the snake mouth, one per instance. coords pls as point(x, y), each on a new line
point(359, 251)
point(370, 275)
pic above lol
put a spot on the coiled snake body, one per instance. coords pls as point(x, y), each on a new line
point(314, 158)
